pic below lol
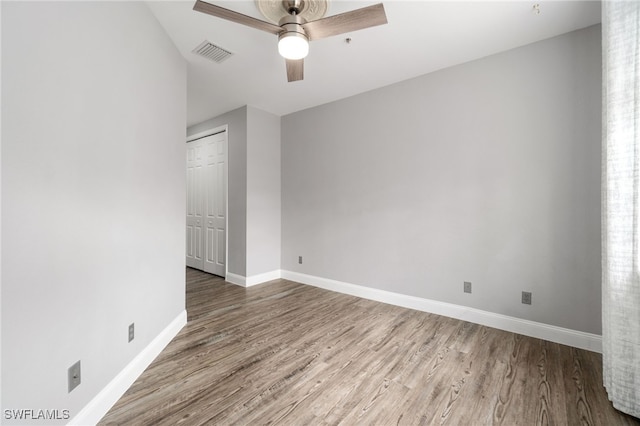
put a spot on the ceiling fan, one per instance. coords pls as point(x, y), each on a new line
point(294, 31)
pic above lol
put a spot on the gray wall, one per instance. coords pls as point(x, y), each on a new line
point(486, 172)
point(93, 190)
point(237, 184)
point(263, 192)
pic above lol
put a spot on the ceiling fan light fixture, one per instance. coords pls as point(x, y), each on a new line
point(293, 45)
point(299, 25)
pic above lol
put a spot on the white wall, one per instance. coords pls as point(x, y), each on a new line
point(486, 172)
point(93, 190)
point(263, 192)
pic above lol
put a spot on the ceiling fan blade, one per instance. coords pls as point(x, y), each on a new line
point(295, 69)
point(232, 16)
point(354, 20)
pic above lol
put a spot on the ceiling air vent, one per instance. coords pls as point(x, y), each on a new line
point(211, 51)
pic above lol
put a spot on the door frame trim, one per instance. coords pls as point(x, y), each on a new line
point(204, 134)
point(209, 132)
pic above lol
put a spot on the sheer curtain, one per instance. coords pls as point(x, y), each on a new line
point(621, 211)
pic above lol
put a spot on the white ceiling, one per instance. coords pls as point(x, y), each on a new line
point(421, 37)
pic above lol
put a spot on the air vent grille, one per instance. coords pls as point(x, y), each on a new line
point(212, 52)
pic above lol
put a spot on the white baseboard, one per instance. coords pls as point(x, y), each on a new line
point(263, 278)
point(253, 279)
point(107, 397)
point(565, 336)
point(236, 279)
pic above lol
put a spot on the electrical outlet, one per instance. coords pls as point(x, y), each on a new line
point(131, 331)
point(467, 287)
point(526, 297)
point(73, 376)
point(300, 260)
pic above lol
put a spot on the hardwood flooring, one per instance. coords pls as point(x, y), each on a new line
point(291, 354)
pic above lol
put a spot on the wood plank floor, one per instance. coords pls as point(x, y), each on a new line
point(291, 354)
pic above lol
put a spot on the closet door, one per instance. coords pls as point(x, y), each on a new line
point(216, 204)
point(207, 204)
point(195, 204)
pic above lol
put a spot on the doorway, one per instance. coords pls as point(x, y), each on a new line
point(206, 224)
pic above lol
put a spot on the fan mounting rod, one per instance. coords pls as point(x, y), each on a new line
point(293, 7)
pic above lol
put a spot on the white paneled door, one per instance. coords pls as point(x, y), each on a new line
point(207, 203)
point(195, 204)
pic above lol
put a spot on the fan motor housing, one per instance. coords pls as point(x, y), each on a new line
point(292, 24)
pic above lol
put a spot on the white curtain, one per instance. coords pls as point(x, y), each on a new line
point(621, 211)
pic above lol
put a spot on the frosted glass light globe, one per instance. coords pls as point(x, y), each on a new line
point(293, 45)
